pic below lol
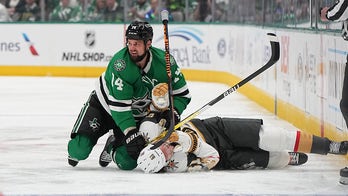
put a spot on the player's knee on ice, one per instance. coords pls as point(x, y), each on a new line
point(123, 160)
point(80, 147)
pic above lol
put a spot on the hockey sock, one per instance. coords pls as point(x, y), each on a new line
point(306, 142)
point(320, 145)
point(276, 139)
point(303, 142)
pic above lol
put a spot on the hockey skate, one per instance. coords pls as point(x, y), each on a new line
point(105, 156)
point(297, 158)
point(339, 148)
point(344, 176)
point(72, 161)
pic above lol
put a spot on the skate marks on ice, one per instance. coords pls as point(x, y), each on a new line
point(36, 117)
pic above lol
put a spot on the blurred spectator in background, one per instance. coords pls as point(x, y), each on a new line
point(176, 9)
point(75, 3)
point(13, 6)
point(64, 12)
point(49, 6)
point(138, 11)
point(114, 12)
point(203, 11)
point(278, 11)
point(96, 11)
point(221, 9)
point(154, 13)
point(303, 11)
point(30, 12)
point(4, 16)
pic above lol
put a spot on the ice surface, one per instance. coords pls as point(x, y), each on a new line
point(36, 117)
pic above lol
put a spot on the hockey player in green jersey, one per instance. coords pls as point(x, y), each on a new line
point(123, 97)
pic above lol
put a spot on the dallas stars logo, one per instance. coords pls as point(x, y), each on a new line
point(119, 65)
point(94, 124)
point(140, 105)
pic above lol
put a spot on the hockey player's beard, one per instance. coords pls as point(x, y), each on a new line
point(138, 58)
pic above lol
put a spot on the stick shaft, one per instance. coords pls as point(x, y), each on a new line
point(164, 15)
point(274, 58)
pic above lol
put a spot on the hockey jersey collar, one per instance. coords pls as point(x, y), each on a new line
point(148, 65)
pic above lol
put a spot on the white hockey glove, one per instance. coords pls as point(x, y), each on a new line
point(160, 97)
point(151, 130)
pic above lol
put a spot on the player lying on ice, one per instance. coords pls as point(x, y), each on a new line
point(228, 143)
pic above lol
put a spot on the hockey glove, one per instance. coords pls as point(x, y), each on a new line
point(186, 141)
point(134, 142)
point(160, 97)
point(167, 115)
point(153, 125)
point(197, 165)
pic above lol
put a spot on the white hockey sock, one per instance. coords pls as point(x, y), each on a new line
point(276, 139)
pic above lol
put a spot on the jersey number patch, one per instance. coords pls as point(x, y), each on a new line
point(118, 83)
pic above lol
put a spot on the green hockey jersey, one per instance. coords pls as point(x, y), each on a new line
point(124, 89)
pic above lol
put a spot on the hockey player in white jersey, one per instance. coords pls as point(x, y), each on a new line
point(228, 143)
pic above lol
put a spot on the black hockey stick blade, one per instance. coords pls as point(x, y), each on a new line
point(275, 48)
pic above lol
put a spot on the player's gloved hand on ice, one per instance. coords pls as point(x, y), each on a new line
point(134, 142)
point(160, 97)
point(196, 165)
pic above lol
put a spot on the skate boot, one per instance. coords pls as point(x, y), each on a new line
point(339, 148)
point(344, 176)
point(105, 156)
point(72, 161)
point(297, 158)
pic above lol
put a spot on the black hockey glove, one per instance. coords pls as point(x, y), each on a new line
point(134, 143)
point(167, 115)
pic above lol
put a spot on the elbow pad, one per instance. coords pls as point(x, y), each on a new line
point(187, 141)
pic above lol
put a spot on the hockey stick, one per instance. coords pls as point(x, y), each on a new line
point(164, 16)
point(274, 58)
